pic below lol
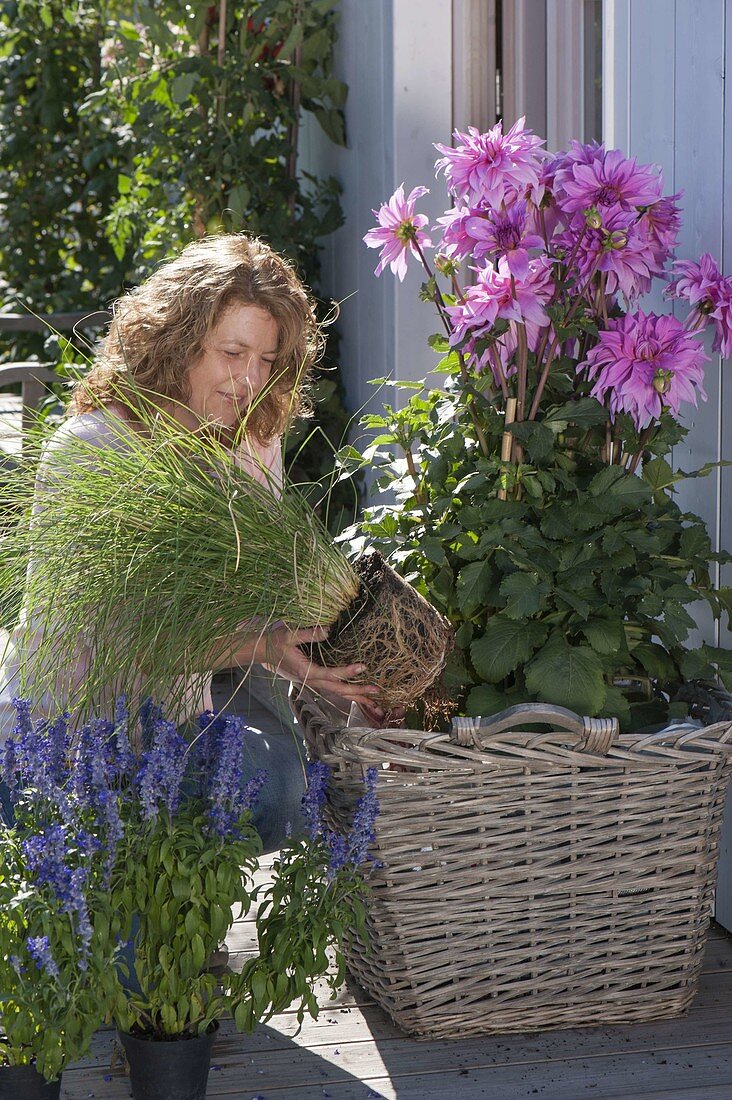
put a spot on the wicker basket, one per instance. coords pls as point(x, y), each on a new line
point(532, 879)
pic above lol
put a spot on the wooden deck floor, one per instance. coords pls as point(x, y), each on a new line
point(352, 1051)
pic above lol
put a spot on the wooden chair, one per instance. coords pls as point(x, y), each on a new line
point(35, 377)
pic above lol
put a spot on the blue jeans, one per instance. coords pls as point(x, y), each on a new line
point(272, 742)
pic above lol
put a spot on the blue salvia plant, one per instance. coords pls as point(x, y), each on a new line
point(187, 865)
point(156, 848)
point(58, 928)
point(313, 902)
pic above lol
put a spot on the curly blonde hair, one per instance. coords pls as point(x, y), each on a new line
point(159, 329)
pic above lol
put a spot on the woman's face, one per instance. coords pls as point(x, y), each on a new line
point(234, 367)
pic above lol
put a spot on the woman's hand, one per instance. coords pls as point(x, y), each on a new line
point(278, 649)
point(339, 685)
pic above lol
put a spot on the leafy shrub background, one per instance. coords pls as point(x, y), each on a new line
point(131, 129)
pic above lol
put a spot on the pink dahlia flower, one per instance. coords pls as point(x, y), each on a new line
point(596, 177)
point(491, 168)
point(560, 166)
point(505, 233)
point(709, 293)
point(699, 284)
point(661, 223)
point(399, 231)
point(498, 295)
point(722, 317)
point(456, 241)
point(619, 248)
point(644, 363)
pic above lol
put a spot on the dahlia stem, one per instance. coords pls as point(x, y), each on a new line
point(418, 491)
point(457, 289)
point(521, 367)
point(573, 256)
point(521, 364)
point(542, 222)
point(556, 342)
point(442, 310)
point(644, 438)
point(602, 297)
point(499, 370)
point(437, 296)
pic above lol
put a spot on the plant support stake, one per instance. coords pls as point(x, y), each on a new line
point(507, 445)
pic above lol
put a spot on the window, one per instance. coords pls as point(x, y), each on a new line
point(538, 58)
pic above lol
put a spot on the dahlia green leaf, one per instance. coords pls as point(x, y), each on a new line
point(536, 437)
point(694, 542)
point(524, 594)
point(570, 676)
point(695, 664)
point(606, 636)
point(659, 474)
point(473, 585)
point(586, 412)
point(487, 699)
point(505, 644)
point(616, 706)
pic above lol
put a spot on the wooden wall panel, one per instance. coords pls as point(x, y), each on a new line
point(422, 115)
point(365, 170)
point(723, 908)
point(616, 53)
point(652, 78)
point(473, 64)
point(725, 476)
point(699, 152)
point(564, 72)
point(399, 103)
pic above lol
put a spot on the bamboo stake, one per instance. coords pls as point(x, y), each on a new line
point(507, 445)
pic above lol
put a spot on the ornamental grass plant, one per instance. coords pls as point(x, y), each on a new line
point(141, 558)
point(531, 478)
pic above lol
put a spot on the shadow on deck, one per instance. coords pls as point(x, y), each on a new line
point(353, 1051)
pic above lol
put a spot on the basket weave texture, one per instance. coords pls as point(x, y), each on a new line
point(531, 877)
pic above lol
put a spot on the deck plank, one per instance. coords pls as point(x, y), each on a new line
point(311, 1072)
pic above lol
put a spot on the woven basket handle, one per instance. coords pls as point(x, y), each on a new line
point(595, 735)
point(318, 729)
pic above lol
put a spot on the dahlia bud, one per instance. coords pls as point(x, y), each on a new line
point(618, 239)
point(445, 265)
point(593, 218)
point(662, 381)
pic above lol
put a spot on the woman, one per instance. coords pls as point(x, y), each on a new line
point(222, 339)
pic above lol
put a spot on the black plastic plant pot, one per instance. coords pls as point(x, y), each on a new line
point(168, 1069)
point(26, 1083)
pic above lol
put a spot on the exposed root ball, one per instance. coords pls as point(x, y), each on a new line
point(392, 630)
